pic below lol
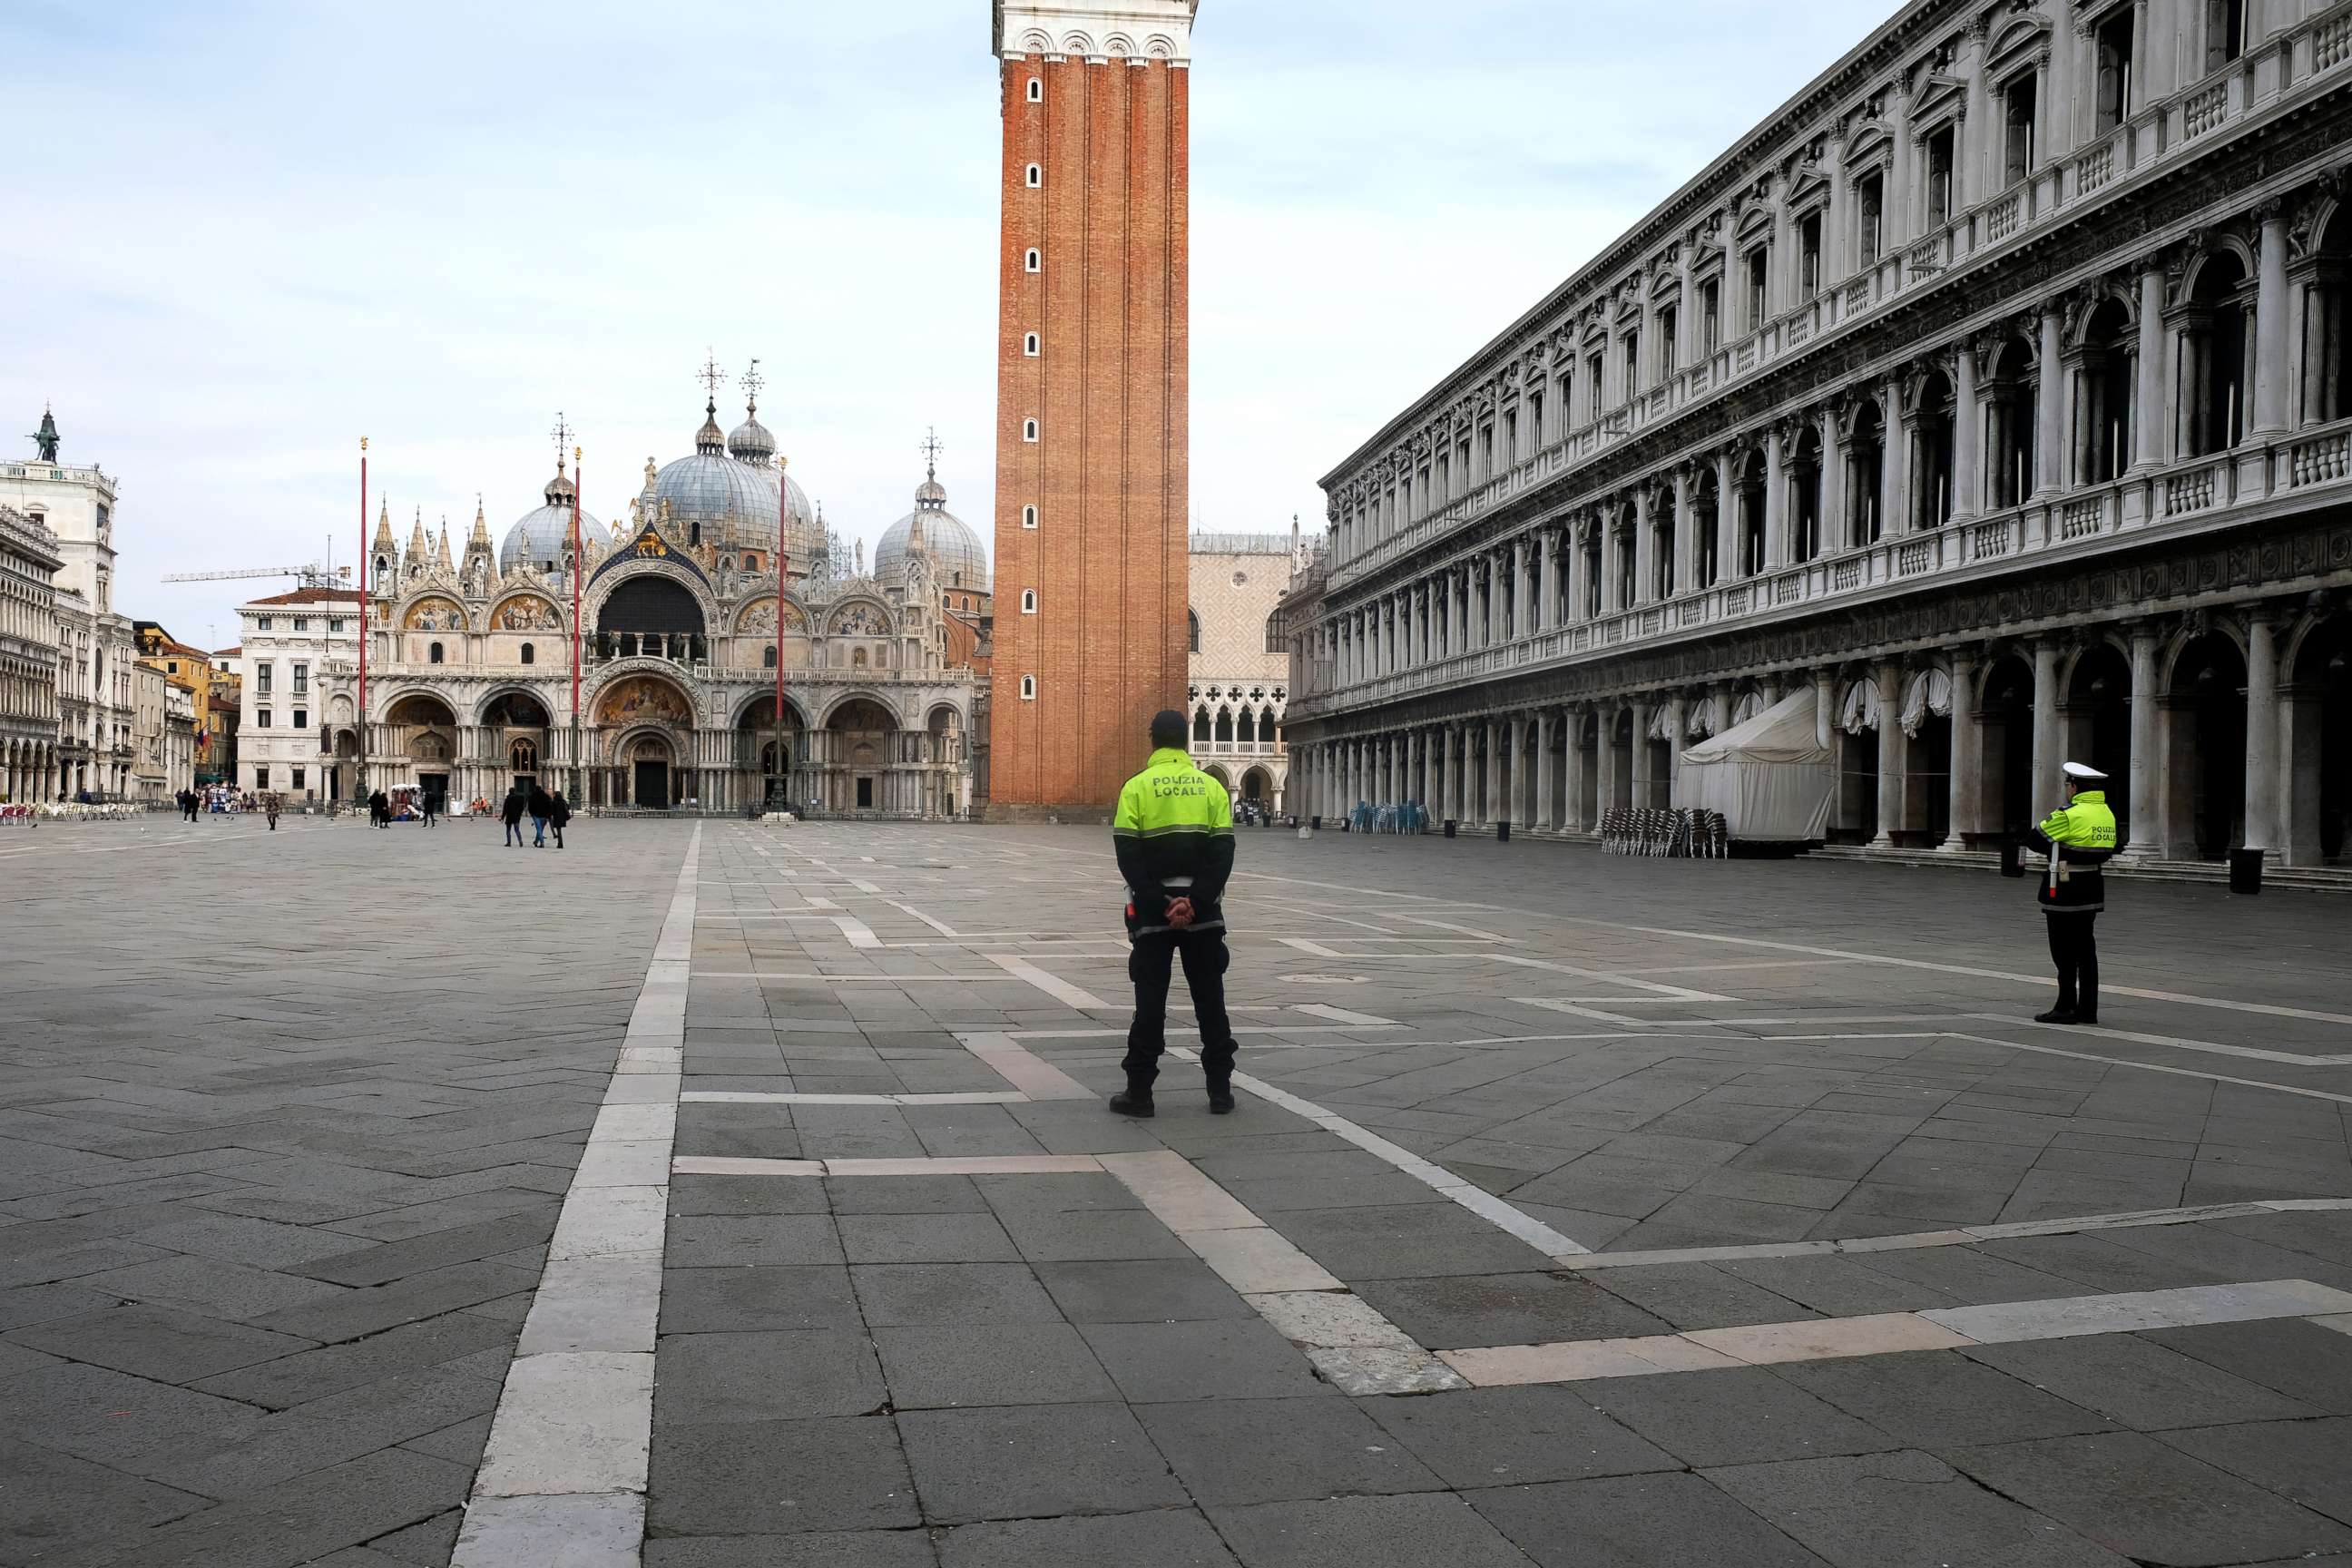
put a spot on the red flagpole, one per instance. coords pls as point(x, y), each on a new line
point(361, 780)
point(576, 565)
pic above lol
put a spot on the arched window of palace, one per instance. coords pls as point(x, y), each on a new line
point(526, 757)
point(433, 653)
point(2213, 348)
point(1192, 630)
point(1201, 727)
point(529, 653)
point(768, 658)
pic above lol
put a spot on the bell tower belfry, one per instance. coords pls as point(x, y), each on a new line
point(1092, 394)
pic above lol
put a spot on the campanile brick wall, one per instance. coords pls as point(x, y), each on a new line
point(1107, 388)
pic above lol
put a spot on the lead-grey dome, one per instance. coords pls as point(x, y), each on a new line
point(730, 502)
point(958, 558)
point(541, 536)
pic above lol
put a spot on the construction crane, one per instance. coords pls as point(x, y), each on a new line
point(312, 576)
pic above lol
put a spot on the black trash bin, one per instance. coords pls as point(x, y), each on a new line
point(1318, 821)
point(2012, 856)
point(1449, 828)
point(1502, 833)
point(2245, 870)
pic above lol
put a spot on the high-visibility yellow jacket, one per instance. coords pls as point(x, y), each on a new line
point(2082, 836)
point(1175, 835)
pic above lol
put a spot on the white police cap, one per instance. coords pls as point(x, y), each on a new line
point(2083, 772)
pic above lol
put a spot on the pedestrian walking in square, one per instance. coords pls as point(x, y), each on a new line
point(559, 814)
point(511, 812)
point(1174, 837)
point(542, 806)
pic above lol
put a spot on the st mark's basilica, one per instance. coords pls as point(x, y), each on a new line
point(469, 662)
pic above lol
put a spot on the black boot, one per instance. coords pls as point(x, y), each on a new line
point(2057, 1016)
point(1133, 1101)
point(1221, 1099)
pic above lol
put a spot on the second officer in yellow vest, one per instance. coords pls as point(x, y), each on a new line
point(2079, 839)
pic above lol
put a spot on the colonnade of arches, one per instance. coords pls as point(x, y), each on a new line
point(2225, 731)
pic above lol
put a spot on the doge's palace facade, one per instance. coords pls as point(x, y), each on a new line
point(1997, 389)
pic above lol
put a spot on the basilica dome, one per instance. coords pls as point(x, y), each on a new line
point(729, 501)
point(542, 535)
point(958, 559)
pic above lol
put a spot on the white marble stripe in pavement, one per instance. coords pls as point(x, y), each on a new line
point(1889, 1333)
point(562, 1478)
point(1052, 985)
point(1477, 1200)
point(748, 1097)
point(1037, 1079)
point(913, 1166)
point(1961, 1235)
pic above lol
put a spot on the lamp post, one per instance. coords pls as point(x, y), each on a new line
point(359, 781)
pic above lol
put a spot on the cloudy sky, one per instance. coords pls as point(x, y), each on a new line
point(242, 235)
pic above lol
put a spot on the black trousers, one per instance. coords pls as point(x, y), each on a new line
point(2074, 949)
point(1150, 961)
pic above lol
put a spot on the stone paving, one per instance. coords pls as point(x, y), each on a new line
point(1578, 1210)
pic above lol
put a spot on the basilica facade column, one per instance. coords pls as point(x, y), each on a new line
point(2144, 807)
point(1888, 678)
point(2262, 732)
point(2272, 374)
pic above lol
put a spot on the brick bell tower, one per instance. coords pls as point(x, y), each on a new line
point(1091, 404)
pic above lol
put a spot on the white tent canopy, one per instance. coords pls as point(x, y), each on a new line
point(1770, 777)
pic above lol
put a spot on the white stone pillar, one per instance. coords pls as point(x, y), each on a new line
point(2262, 734)
point(1776, 502)
point(1678, 710)
point(1685, 533)
point(2050, 411)
point(2273, 371)
point(2142, 808)
point(2148, 448)
point(1888, 677)
point(1610, 585)
point(1967, 435)
point(1893, 460)
point(1490, 775)
point(1578, 812)
point(1547, 731)
point(1645, 548)
point(2048, 742)
point(1638, 755)
point(1966, 782)
point(1606, 772)
point(1726, 514)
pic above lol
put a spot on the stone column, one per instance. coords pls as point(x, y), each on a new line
point(1719, 707)
point(1638, 758)
point(1726, 511)
point(1554, 588)
point(1574, 568)
point(2261, 730)
point(1776, 501)
point(1685, 534)
point(2272, 372)
point(1893, 454)
point(1577, 817)
point(1967, 435)
point(1967, 782)
point(1546, 733)
point(1490, 775)
point(2047, 738)
point(2143, 809)
point(1645, 548)
point(2148, 448)
point(1605, 775)
point(1678, 710)
point(1888, 677)
point(2048, 412)
point(1611, 584)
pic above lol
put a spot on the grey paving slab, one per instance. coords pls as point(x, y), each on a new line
point(1037, 1462)
point(925, 1238)
point(1348, 1531)
point(828, 1549)
point(1228, 1359)
point(897, 1294)
point(1698, 1295)
point(1406, 1241)
point(713, 1241)
point(1660, 1521)
point(307, 1374)
point(1163, 1538)
point(932, 1366)
point(780, 1477)
point(1734, 1416)
point(1458, 1311)
point(2139, 1383)
point(2300, 1360)
point(1267, 1450)
point(1935, 1399)
point(795, 1376)
point(2307, 1461)
point(54, 1503)
point(757, 1296)
point(157, 1343)
point(1497, 1437)
point(1904, 1510)
point(747, 1196)
point(1146, 1290)
point(2148, 1501)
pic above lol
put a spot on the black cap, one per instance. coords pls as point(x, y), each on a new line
point(1166, 728)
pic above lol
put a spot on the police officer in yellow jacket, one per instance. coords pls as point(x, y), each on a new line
point(2079, 839)
point(1174, 836)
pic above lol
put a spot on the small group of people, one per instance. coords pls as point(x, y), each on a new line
point(1408, 816)
point(544, 808)
point(222, 800)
